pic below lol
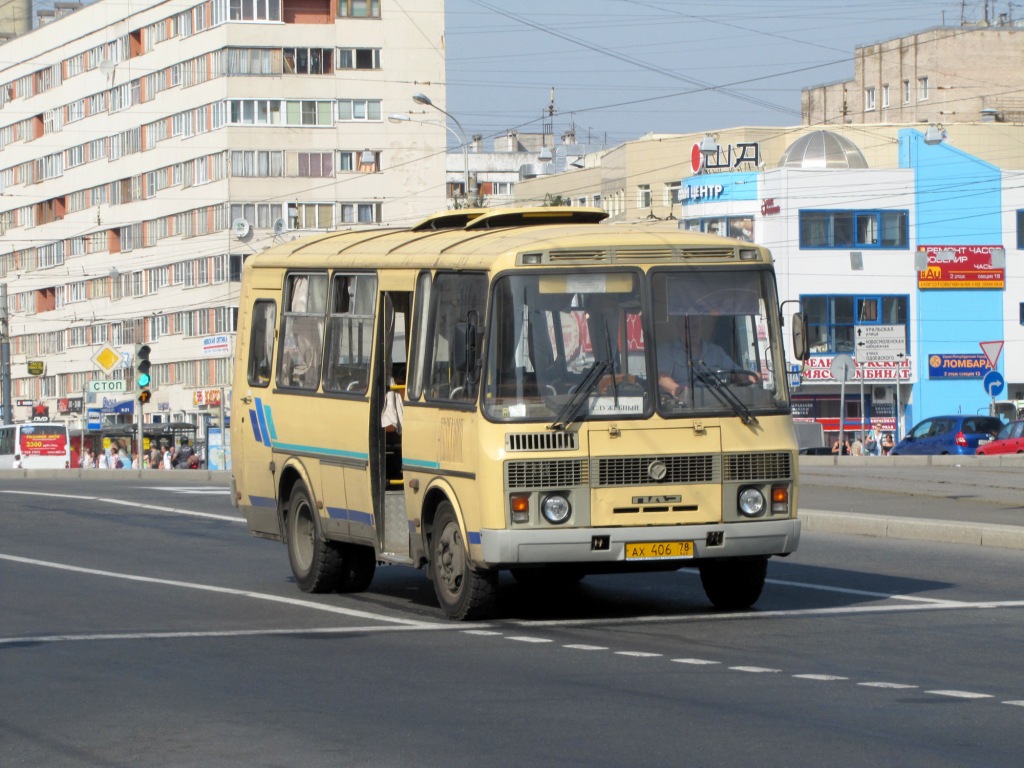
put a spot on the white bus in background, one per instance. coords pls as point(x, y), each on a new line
point(35, 445)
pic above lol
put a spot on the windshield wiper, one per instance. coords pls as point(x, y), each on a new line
point(571, 409)
point(721, 390)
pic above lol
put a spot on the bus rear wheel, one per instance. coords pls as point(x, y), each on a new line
point(733, 584)
point(359, 565)
point(316, 564)
point(462, 591)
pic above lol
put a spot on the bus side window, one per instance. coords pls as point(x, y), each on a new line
point(350, 333)
point(457, 299)
point(302, 331)
point(261, 343)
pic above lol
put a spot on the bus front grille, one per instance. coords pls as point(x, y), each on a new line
point(758, 466)
point(546, 473)
point(647, 470)
point(541, 441)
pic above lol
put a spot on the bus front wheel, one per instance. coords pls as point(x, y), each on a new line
point(733, 584)
point(316, 564)
point(462, 591)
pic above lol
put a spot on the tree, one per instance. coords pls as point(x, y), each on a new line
point(550, 199)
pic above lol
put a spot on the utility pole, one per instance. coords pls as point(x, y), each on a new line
point(5, 356)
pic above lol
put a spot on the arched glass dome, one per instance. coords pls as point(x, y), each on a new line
point(822, 149)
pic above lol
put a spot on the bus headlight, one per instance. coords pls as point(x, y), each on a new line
point(556, 508)
point(751, 502)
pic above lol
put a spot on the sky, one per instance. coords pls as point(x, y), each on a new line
point(624, 68)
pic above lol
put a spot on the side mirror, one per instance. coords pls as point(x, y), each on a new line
point(801, 348)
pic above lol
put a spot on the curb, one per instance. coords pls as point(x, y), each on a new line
point(912, 528)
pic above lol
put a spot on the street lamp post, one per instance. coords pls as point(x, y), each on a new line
point(422, 98)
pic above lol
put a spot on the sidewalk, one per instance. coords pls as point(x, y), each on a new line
point(972, 500)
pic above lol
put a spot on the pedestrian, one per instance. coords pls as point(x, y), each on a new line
point(166, 464)
point(873, 443)
point(103, 459)
point(887, 443)
point(843, 450)
point(856, 447)
point(183, 454)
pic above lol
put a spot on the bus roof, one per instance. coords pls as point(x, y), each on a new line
point(480, 238)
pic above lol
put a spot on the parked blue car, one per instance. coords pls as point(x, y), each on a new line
point(955, 435)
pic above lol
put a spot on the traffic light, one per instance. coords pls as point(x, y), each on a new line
point(142, 376)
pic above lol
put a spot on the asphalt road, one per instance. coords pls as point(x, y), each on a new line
point(141, 625)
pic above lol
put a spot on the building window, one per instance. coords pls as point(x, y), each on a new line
point(643, 196)
point(885, 96)
point(922, 89)
point(906, 91)
point(854, 229)
point(1020, 230)
point(315, 164)
point(257, 163)
point(310, 215)
point(362, 161)
point(360, 213)
point(359, 9)
point(869, 100)
point(739, 227)
point(308, 61)
point(254, 10)
point(350, 110)
point(359, 58)
point(832, 321)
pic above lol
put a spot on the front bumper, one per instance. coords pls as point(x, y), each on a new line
point(579, 545)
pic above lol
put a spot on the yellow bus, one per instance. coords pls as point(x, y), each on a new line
point(523, 390)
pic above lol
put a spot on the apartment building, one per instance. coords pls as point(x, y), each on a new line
point(941, 75)
point(147, 149)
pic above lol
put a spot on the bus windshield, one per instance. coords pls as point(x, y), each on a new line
point(569, 346)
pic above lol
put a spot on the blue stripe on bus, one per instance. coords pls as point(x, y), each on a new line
point(352, 515)
point(254, 421)
point(264, 434)
point(421, 464)
point(263, 501)
point(474, 537)
point(318, 451)
point(271, 429)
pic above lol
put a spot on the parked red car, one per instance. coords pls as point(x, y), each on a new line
point(1010, 439)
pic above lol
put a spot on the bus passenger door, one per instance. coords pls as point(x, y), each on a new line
point(251, 445)
point(386, 428)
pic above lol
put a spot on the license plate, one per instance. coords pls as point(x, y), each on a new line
point(659, 550)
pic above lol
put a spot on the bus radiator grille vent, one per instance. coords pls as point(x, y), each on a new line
point(558, 473)
point(638, 470)
point(709, 253)
point(758, 466)
point(644, 254)
point(542, 441)
point(572, 257)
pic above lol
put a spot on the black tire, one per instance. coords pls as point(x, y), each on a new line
point(733, 584)
point(551, 576)
point(358, 566)
point(316, 564)
point(462, 591)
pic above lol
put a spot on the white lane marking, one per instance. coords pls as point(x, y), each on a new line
point(525, 639)
point(755, 670)
point(882, 684)
point(1014, 703)
point(823, 678)
point(638, 654)
point(695, 661)
point(861, 592)
point(962, 694)
point(224, 591)
point(481, 632)
point(583, 647)
point(134, 505)
point(796, 613)
point(213, 633)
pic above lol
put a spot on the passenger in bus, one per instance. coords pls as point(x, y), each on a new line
point(17, 461)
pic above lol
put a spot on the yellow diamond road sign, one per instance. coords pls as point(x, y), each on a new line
point(107, 358)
